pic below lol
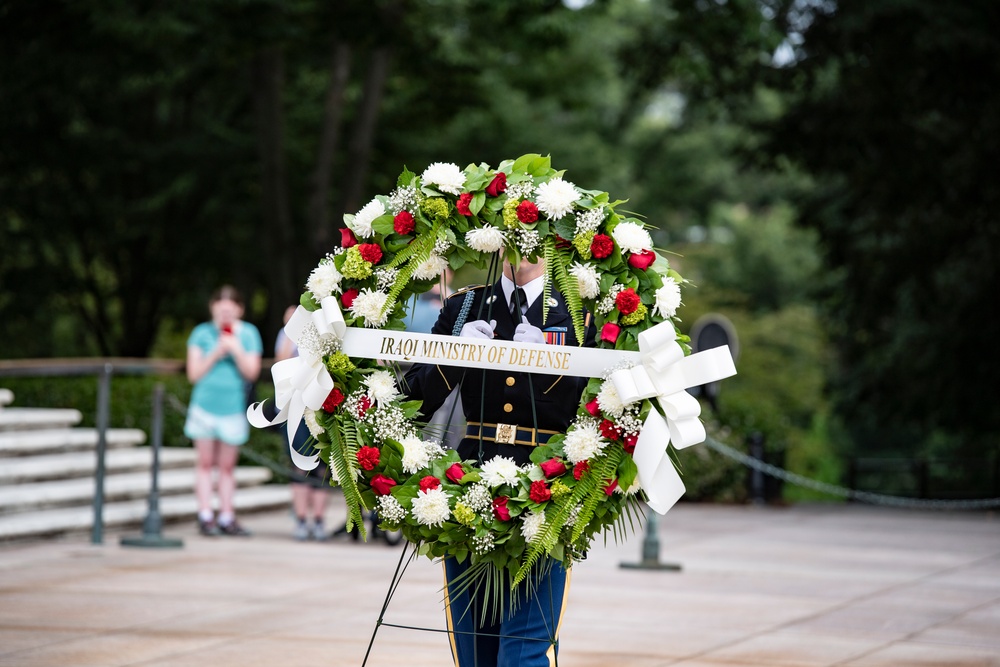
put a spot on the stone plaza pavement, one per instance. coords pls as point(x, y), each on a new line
point(803, 585)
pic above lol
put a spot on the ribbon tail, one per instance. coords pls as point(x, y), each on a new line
point(659, 479)
point(296, 409)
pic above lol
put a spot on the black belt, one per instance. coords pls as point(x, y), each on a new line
point(508, 434)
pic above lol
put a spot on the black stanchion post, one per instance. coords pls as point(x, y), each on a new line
point(153, 525)
point(103, 407)
point(651, 549)
point(755, 443)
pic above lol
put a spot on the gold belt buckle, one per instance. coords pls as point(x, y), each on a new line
point(506, 434)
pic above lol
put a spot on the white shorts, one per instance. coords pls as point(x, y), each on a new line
point(230, 429)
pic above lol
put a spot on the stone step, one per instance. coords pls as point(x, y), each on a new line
point(132, 513)
point(53, 440)
point(22, 419)
point(6, 397)
point(83, 464)
point(44, 495)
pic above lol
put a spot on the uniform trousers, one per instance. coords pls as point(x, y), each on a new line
point(524, 637)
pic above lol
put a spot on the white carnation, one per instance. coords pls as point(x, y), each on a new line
point(532, 525)
point(555, 198)
point(324, 280)
point(430, 269)
point(583, 442)
point(487, 239)
point(369, 304)
point(309, 417)
point(447, 176)
point(361, 225)
point(609, 401)
point(631, 237)
point(382, 387)
point(587, 280)
point(668, 298)
point(500, 470)
point(430, 507)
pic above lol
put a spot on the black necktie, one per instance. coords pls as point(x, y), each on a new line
point(517, 299)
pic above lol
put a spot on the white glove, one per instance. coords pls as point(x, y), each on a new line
point(527, 333)
point(478, 329)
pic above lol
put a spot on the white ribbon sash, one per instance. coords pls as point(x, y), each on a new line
point(667, 374)
point(661, 370)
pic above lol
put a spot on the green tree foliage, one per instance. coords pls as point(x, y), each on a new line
point(894, 108)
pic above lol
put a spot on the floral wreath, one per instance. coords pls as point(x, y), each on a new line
point(579, 483)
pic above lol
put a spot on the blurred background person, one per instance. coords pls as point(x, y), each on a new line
point(310, 488)
point(223, 362)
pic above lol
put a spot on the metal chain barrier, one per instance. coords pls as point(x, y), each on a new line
point(844, 492)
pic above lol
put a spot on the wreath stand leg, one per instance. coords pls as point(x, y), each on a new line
point(396, 578)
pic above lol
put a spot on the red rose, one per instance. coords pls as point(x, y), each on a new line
point(368, 457)
point(463, 202)
point(347, 238)
point(498, 185)
point(500, 510)
point(370, 252)
point(641, 260)
point(610, 331)
point(335, 398)
point(429, 483)
point(539, 492)
point(593, 408)
point(579, 469)
point(363, 404)
point(609, 430)
point(403, 223)
point(527, 212)
point(611, 486)
point(382, 485)
point(347, 298)
point(553, 467)
point(601, 246)
point(561, 243)
point(627, 301)
point(455, 473)
point(630, 441)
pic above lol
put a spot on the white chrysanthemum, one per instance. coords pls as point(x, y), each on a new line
point(668, 298)
point(609, 401)
point(586, 279)
point(361, 225)
point(382, 387)
point(555, 198)
point(532, 524)
point(583, 442)
point(447, 176)
point(369, 305)
point(487, 239)
point(631, 237)
point(324, 280)
point(309, 417)
point(500, 470)
point(430, 269)
point(390, 511)
point(430, 507)
point(418, 454)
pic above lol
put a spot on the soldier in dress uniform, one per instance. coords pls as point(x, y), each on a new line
point(507, 413)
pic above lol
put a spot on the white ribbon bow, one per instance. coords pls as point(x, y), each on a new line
point(301, 382)
point(666, 374)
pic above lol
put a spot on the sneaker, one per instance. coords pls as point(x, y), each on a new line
point(235, 529)
point(301, 532)
point(319, 532)
point(208, 528)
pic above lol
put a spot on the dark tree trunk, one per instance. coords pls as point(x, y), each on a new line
point(318, 209)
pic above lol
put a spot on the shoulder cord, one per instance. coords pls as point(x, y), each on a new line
point(463, 314)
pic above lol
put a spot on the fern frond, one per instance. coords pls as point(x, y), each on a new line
point(570, 289)
point(549, 252)
point(343, 452)
point(601, 470)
